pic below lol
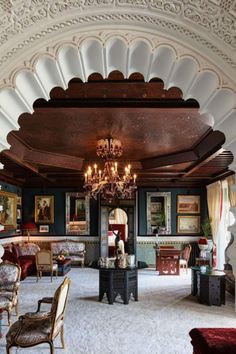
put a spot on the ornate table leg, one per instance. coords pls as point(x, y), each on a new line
point(1, 335)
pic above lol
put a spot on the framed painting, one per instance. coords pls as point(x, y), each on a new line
point(188, 224)
point(77, 214)
point(44, 228)
point(44, 209)
point(188, 204)
point(8, 203)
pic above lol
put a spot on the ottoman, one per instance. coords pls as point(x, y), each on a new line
point(213, 340)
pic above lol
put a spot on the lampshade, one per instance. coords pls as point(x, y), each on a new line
point(1, 252)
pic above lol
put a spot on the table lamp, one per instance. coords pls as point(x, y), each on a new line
point(1, 252)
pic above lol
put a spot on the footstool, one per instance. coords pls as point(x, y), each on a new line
point(213, 340)
point(64, 266)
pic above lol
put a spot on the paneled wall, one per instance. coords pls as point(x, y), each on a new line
point(58, 227)
point(142, 214)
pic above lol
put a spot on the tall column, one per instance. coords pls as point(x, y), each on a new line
point(231, 250)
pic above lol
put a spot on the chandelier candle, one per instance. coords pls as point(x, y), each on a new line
point(108, 182)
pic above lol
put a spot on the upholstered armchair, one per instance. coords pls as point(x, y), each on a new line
point(185, 257)
point(35, 328)
point(9, 286)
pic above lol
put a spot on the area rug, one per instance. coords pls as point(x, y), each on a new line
point(158, 323)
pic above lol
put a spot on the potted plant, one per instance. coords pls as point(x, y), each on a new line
point(206, 239)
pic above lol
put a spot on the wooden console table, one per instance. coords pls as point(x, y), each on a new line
point(114, 281)
point(167, 261)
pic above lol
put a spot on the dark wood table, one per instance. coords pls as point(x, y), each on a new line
point(209, 286)
point(118, 281)
point(167, 261)
point(64, 267)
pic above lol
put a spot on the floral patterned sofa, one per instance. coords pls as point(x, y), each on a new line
point(75, 250)
point(23, 255)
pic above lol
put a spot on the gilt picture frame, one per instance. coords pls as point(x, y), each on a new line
point(8, 205)
point(44, 209)
point(188, 204)
point(188, 224)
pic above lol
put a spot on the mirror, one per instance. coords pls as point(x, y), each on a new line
point(118, 222)
point(77, 214)
point(158, 213)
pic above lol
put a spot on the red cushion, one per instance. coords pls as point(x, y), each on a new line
point(213, 340)
point(27, 266)
point(16, 250)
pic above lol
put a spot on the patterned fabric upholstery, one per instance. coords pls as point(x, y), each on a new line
point(40, 327)
point(74, 250)
point(9, 285)
point(30, 332)
point(29, 249)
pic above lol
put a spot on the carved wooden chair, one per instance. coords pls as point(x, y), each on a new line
point(9, 287)
point(35, 328)
point(185, 257)
point(44, 263)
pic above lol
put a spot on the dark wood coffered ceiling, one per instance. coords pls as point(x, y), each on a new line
point(165, 139)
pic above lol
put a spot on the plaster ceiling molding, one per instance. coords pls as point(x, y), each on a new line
point(182, 73)
point(214, 16)
point(139, 58)
point(202, 88)
point(220, 104)
point(116, 55)
point(207, 26)
point(163, 60)
point(93, 55)
point(70, 62)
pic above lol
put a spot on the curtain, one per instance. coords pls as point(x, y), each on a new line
point(120, 216)
point(232, 194)
point(214, 202)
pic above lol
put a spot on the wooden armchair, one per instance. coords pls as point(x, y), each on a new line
point(9, 287)
point(185, 257)
point(35, 328)
point(44, 263)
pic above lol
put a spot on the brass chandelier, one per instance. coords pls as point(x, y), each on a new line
point(108, 183)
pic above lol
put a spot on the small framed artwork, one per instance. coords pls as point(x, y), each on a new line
point(188, 204)
point(44, 228)
point(44, 209)
point(19, 200)
point(188, 224)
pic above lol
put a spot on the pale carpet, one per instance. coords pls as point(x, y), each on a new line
point(158, 323)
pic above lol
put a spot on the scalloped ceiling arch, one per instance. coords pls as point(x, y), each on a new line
point(92, 55)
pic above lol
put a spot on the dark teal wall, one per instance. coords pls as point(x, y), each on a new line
point(142, 223)
point(58, 228)
point(11, 189)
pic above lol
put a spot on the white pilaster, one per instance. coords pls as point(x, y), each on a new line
point(231, 250)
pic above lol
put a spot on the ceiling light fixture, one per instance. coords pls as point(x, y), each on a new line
point(108, 182)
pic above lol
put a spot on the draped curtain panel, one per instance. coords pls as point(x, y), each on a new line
point(214, 200)
point(232, 192)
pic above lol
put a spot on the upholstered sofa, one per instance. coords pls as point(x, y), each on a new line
point(24, 256)
point(75, 250)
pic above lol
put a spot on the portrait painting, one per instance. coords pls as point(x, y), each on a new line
point(44, 209)
point(8, 209)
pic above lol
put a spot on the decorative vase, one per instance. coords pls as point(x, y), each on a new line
point(203, 246)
